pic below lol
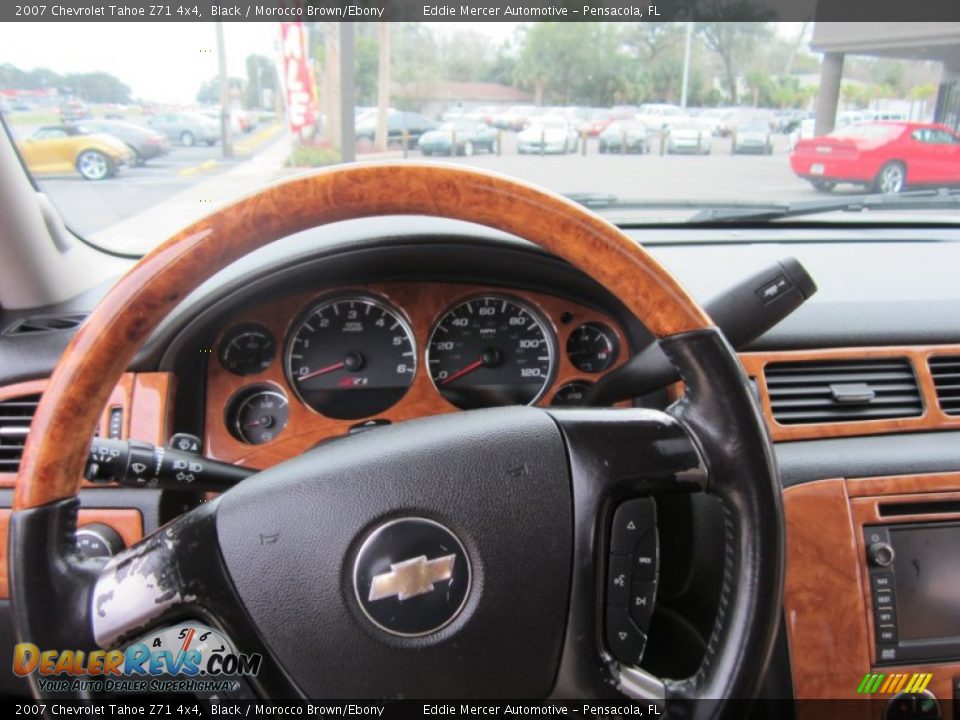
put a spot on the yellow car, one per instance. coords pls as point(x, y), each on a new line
point(67, 148)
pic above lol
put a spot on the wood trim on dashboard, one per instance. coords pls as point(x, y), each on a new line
point(128, 523)
point(933, 418)
point(823, 604)
point(145, 399)
point(421, 305)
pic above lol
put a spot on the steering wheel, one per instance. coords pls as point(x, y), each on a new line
point(456, 556)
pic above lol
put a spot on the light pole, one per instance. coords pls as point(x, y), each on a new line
point(225, 143)
point(686, 66)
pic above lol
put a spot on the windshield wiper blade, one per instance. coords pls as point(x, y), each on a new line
point(609, 201)
point(941, 198)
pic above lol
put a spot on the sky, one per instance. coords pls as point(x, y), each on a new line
point(167, 62)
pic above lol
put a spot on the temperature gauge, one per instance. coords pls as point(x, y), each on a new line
point(247, 349)
point(258, 415)
point(593, 347)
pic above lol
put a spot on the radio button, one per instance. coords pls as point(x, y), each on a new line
point(883, 600)
point(880, 554)
point(887, 654)
point(886, 635)
point(881, 581)
point(885, 617)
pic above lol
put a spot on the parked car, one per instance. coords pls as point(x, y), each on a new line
point(145, 143)
point(73, 110)
point(710, 119)
point(886, 156)
point(549, 135)
point(804, 131)
point(468, 135)
point(752, 137)
point(514, 118)
point(398, 121)
point(187, 128)
point(658, 116)
point(68, 148)
point(689, 137)
point(595, 123)
point(625, 136)
point(239, 120)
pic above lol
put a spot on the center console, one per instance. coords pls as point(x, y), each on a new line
point(914, 572)
point(872, 594)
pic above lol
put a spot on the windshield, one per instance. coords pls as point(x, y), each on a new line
point(135, 129)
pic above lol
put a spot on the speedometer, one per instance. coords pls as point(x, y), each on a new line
point(491, 350)
point(351, 357)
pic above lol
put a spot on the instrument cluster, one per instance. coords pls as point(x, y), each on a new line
point(346, 360)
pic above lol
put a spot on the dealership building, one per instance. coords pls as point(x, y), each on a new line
point(938, 42)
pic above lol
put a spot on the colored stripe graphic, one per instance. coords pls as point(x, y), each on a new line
point(894, 683)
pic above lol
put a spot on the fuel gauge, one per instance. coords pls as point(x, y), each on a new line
point(257, 415)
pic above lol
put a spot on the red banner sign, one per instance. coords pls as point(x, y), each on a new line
point(296, 76)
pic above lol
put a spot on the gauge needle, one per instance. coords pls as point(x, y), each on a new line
point(322, 371)
point(460, 373)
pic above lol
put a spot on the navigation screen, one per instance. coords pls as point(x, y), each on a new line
point(927, 572)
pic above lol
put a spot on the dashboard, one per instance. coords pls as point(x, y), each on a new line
point(300, 369)
point(386, 320)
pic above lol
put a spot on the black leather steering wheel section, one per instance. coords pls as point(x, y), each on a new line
point(720, 410)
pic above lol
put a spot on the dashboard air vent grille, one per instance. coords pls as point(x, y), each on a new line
point(945, 370)
point(15, 417)
point(45, 323)
point(822, 391)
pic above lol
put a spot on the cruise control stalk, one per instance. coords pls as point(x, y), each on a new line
point(139, 464)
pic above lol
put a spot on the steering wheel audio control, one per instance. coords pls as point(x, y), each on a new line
point(632, 572)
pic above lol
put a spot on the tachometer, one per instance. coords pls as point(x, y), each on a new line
point(351, 357)
point(491, 350)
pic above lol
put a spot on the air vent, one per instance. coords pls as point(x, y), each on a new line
point(46, 323)
point(946, 378)
point(842, 390)
point(15, 417)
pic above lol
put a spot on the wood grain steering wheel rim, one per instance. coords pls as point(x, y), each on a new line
point(101, 351)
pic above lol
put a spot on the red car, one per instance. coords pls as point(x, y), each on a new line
point(884, 156)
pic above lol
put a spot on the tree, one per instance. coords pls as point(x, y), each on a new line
point(261, 75)
point(209, 93)
point(734, 43)
point(566, 63)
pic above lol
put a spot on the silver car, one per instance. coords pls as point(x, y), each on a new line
point(186, 128)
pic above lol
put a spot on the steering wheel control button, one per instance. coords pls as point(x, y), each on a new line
point(625, 640)
point(631, 521)
point(618, 581)
point(645, 558)
point(411, 577)
point(641, 603)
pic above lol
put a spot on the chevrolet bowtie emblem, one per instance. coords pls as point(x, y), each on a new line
point(410, 578)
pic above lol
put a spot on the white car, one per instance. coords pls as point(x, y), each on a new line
point(689, 137)
point(658, 116)
point(548, 135)
point(753, 137)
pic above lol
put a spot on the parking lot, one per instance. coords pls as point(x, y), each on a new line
point(717, 176)
point(93, 208)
